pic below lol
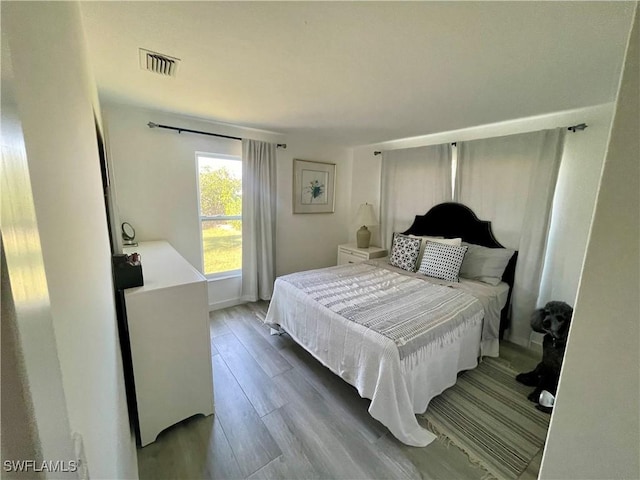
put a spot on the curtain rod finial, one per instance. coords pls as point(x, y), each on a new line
point(575, 128)
point(282, 145)
point(152, 125)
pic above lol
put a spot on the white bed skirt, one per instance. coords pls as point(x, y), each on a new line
point(371, 363)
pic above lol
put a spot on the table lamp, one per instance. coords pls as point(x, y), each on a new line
point(365, 216)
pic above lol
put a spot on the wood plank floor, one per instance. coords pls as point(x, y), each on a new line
point(281, 414)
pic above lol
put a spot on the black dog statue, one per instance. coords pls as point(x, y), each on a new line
point(553, 320)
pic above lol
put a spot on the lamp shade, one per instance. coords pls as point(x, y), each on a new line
point(366, 215)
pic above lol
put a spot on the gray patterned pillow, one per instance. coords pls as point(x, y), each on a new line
point(404, 252)
point(442, 261)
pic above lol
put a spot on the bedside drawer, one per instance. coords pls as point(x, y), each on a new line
point(346, 256)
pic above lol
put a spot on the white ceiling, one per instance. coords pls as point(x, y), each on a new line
point(360, 72)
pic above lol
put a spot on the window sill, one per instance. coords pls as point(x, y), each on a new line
point(223, 276)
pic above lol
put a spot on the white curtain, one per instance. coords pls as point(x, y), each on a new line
point(258, 219)
point(511, 181)
point(413, 180)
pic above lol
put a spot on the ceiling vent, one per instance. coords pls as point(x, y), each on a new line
point(158, 63)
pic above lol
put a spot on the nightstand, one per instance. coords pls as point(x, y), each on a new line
point(349, 253)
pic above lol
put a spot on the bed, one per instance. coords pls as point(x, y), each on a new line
point(400, 337)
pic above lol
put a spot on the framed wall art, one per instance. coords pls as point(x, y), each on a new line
point(313, 186)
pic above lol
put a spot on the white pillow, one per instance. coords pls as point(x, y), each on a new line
point(442, 261)
point(485, 264)
point(445, 241)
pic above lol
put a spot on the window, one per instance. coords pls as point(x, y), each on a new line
point(220, 187)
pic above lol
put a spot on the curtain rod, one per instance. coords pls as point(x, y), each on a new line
point(572, 128)
point(180, 130)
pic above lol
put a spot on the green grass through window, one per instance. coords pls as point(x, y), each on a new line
point(222, 246)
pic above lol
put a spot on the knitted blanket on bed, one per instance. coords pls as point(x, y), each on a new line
point(415, 314)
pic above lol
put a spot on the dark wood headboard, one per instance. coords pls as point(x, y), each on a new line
point(454, 220)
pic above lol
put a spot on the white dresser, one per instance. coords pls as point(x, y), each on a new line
point(350, 253)
point(168, 320)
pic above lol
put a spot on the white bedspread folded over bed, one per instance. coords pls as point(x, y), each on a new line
point(492, 297)
point(417, 316)
point(334, 313)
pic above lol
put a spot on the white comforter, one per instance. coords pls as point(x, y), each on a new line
point(371, 363)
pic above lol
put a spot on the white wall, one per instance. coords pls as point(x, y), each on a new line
point(574, 202)
point(156, 189)
point(155, 183)
point(365, 188)
point(35, 420)
point(54, 96)
point(155, 173)
point(595, 426)
point(575, 196)
point(307, 241)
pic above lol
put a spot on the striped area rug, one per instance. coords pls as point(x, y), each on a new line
point(487, 415)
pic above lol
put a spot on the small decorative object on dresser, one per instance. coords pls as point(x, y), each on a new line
point(350, 253)
point(128, 235)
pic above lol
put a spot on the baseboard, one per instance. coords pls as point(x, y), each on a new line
point(225, 304)
point(523, 342)
point(532, 343)
point(535, 347)
point(535, 341)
